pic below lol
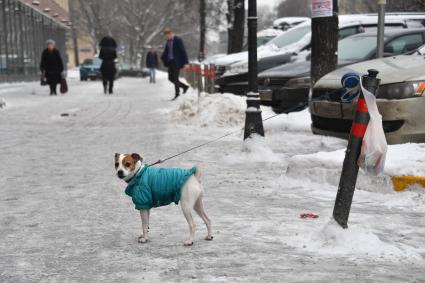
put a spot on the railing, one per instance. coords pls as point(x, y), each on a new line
point(201, 77)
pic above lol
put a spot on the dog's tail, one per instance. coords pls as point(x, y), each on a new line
point(198, 172)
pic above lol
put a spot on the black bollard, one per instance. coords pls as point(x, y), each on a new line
point(350, 168)
point(253, 119)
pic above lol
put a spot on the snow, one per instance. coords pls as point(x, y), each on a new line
point(269, 32)
point(73, 74)
point(357, 241)
point(289, 20)
point(2, 103)
point(65, 218)
point(205, 110)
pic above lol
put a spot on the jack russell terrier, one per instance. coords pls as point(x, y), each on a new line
point(151, 187)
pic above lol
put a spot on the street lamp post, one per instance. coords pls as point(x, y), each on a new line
point(253, 120)
point(203, 29)
point(381, 27)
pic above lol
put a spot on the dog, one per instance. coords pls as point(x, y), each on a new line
point(151, 187)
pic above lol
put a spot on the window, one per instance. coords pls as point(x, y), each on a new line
point(356, 48)
point(345, 32)
point(291, 36)
point(404, 44)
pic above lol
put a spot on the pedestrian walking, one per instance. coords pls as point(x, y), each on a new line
point(51, 66)
point(108, 55)
point(175, 58)
point(152, 64)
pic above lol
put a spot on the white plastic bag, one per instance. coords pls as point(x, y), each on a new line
point(374, 147)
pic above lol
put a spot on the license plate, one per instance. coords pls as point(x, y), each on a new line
point(266, 95)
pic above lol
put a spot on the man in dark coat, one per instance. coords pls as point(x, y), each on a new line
point(152, 64)
point(108, 54)
point(51, 66)
point(175, 58)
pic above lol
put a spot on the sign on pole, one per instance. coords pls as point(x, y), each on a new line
point(321, 8)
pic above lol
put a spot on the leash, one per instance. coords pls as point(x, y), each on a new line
point(298, 106)
point(160, 161)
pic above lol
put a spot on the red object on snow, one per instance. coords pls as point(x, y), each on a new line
point(309, 215)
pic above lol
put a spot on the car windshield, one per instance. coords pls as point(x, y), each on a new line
point(261, 40)
point(290, 37)
point(356, 48)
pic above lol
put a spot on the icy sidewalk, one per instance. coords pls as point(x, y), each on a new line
point(65, 218)
point(310, 170)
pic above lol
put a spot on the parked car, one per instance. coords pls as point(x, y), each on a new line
point(284, 87)
point(127, 70)
point(90, 69)
point(235, 79)
point(266, 35)
point(223, 62)
point(401, 99)
point(288, 22)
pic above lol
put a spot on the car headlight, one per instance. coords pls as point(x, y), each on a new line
point(303, 82)
point(402, 90)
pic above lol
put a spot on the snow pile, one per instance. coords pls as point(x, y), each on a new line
point(405, 159)
point(216, 110)
point(325, 167)
point(254, 149)
point(355, 241)
point(2, 103)
point(293, 122)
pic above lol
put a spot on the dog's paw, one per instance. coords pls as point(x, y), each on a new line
point(188, 243)
point(142, 240)
point(209, 238)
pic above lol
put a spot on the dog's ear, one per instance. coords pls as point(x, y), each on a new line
point(137, 157)
point(117, 156)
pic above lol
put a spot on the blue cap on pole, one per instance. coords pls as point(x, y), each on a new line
point(351, 86)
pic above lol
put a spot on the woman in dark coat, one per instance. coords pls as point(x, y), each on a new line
point(152, 64)
point(108, 54)
point(51, 66)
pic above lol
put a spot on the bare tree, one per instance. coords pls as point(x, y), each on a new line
point(367, 6)
point(236, 25)
point(293, 8)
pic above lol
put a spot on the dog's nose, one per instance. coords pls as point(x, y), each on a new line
point(120, 173)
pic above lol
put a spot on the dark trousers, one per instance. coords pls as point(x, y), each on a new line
point(110, 80)
point(53, 87)
point(173, 76)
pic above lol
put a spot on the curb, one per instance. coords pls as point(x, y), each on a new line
point(401, 183)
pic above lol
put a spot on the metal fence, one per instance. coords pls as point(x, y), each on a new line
point(23, 33)
point(201, 77)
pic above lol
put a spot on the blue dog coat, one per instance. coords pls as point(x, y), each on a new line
point(154, 187)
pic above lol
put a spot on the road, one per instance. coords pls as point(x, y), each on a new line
point(64, 216)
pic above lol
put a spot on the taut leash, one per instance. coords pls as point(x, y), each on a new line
point(160, 161)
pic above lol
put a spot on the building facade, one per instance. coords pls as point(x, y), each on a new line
point(25, 26)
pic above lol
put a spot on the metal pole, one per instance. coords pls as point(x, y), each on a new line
point(381, 27)
point(350, 169)
point(253, 120)
point(203, 29)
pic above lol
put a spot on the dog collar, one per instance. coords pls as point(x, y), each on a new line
point(137, 173)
